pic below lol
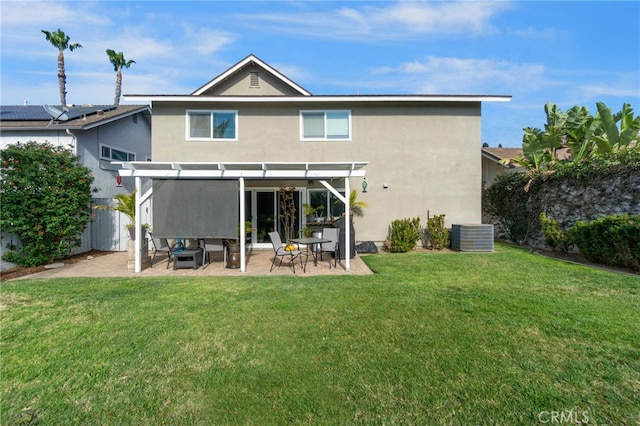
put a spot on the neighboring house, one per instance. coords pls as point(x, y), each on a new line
point(254, 126)
point(98, 134)
point(491, 166)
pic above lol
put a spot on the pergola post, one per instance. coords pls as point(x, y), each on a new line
point(242, 230)
point(137, 246)
point(347, 224)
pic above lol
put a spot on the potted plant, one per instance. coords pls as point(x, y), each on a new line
point(307, 232)
point(288, 215)
point(126, 204)
point(233, 246)
point(355, 206)
point(311, 212)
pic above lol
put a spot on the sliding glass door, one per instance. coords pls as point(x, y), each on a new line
point(263, 210)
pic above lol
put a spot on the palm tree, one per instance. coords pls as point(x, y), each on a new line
point(118, 62)
point(60, 41)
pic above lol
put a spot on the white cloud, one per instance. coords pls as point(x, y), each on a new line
point(622, 85)
point(437, 17)
point(469, 76)
point(400, 20)
point(65, 14)
point(205, 41)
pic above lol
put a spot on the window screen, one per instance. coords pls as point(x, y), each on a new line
point(195, 208)
point(313, 124)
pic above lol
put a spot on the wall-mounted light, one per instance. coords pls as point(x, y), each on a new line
point(364, 185)
point(385, 185)
point(310, 183)
point(118, 181)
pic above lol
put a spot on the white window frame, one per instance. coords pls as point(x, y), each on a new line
point(212, 112)
point(325, 137)
point(131, 156)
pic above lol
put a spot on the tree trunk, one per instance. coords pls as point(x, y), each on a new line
point(116, 99)
point(62, 79)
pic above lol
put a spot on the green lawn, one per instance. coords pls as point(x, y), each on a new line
point(504, 338)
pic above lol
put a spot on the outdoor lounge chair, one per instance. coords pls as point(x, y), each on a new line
point(333, 247)
point(279, 250)
point(160, 245)
point(213, 245)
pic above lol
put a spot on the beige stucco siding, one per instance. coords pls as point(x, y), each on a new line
point(427, 153)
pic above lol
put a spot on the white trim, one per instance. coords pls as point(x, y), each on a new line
point(231, 170)
point(321, 99)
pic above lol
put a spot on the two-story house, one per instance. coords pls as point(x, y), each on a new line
point(406, 155)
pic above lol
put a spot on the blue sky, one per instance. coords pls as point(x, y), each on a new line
point(566, 52)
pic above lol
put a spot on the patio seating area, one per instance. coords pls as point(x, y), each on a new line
point(259, 261)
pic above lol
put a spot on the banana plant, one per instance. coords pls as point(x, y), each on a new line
point(612, 138)
point(580, 127)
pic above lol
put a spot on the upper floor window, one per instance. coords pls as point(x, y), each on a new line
point(325, 125)
point(110, 153)
point(212, 125)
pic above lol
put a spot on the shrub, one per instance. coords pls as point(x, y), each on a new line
point(46, 196)
point(438, 233)
point(404, 235)
point(509, 206)
point(554, 236)
point(611, 240)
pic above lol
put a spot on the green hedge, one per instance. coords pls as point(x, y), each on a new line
point(610, 240)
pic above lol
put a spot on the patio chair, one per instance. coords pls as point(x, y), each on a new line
point(333, 247)
point(159, 245)
point(280, 252)
point(213, 245)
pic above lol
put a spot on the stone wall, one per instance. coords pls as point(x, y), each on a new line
point(569, 201)
point(603, 187)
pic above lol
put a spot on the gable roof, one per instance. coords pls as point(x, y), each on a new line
point(34, 117)
point(250, 60)
point(497, 154)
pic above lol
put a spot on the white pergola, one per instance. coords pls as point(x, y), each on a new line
point(321, 171)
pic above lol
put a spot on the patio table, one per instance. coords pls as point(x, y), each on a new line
point(314, 243)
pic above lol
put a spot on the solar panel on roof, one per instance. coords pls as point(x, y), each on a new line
point(37, 112)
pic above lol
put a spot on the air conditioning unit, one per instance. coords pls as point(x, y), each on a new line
point(472, 237)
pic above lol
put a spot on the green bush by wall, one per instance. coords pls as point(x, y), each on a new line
point(611, 240)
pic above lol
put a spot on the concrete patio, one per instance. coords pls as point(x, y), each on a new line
point(258, 263)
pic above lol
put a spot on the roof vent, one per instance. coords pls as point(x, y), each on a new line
point(254, 79)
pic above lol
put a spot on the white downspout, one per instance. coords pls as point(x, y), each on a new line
point(75, 141)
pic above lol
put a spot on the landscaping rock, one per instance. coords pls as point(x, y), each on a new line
point(366, 247)
point(54, 265)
